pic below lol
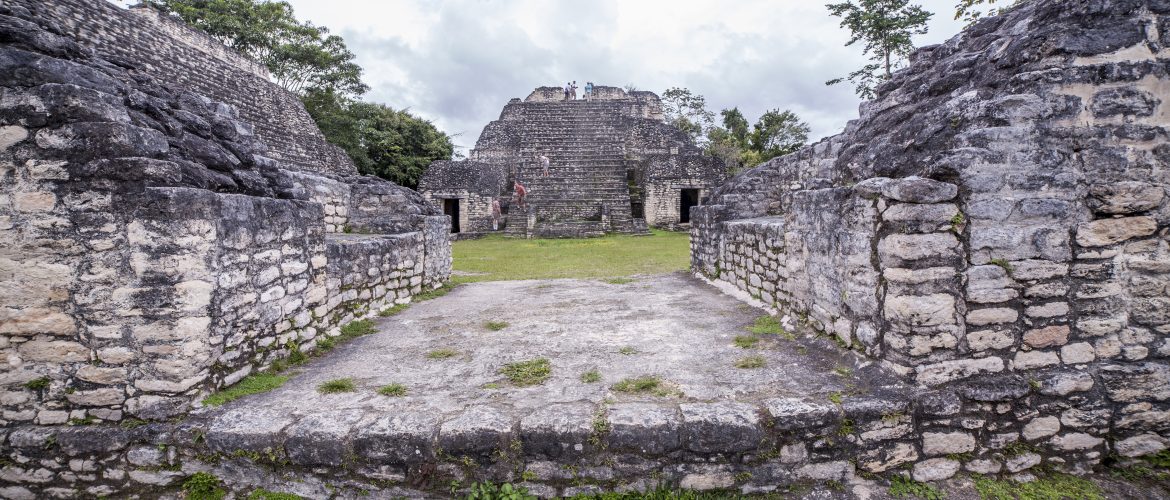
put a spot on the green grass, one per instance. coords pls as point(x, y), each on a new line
point(500, 258)
point(252, 384)
point(746, 341)
point(590, 377)
point(751, 362)
point(38, 384)
point(627, 351)
point(442, 353)
point(263, 494)
point(390, 311)
point(619, 281)
point(495, 326)
point(393, 390)
point(203, 486)
point(526, 373)
point(434, 294)
point(904, 487)
point(767, 325)
point(337, 386)
point(1051, 487)
point(638, 385)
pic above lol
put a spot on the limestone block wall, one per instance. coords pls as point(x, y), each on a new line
point(998, 214)
point(170, 51)
point(151, 254)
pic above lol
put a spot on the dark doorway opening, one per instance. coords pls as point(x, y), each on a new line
point(687, 199)
point(451, 208)
point(637, 205)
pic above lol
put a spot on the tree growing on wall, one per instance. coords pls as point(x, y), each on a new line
point(775, 133)
point(884, 27)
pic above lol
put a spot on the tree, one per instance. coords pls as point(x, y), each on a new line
point(388, 143)
point(687, 111)
point(969, 10)
point(885, 28)
point(776, 133)
point(300, 57)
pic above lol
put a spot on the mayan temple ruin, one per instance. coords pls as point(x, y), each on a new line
point(614, 167)
point(971, 280)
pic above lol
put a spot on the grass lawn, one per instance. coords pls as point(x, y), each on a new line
point(500, 258)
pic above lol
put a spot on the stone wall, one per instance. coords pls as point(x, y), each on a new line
point(170, 51)
point(474, 184)
point(150, 253)
point(997, 214)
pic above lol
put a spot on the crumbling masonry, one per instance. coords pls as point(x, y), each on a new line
point(996, 225)
point(615, 166)
point(170, 221)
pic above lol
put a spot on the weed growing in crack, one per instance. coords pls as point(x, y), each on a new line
point(751, 362)
point(904, 487)
point(627, 351)
point(646, 384)
point(390, 311)
point(526, 373)
point(442, 353)
point(591, 376)
point(393, 390)
point(495, 326)
point(746, 341)
point(337, 386)
point(837, 397)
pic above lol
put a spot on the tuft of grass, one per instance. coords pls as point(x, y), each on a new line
point(843, 371)
point(252, 384)
point(746, 341)
point(619, 281)
point(491, 385)
point(434, 294)
point(847, 427)
point(768, 325)
point(904, 487)
point(390, 311)
point(38, 384)
point(495, 326)
point(638, 385)
point(591, 376)
point(393, 390)
point(627, 351)
point(358, 328)
point(751, 362)
point(203, 486)
point(134, 423)
point(443, 353)
point(496, 258)
point(1007, 266)
point(337, 386)
point(837, 397)
point(1051, 487)
point(263, 494)
point(526, 373)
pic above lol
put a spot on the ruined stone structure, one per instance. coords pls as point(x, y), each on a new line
point(153, 247)
point(614, 167)
point(995, 225)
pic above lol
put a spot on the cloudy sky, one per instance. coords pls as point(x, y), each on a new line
point(457, 63)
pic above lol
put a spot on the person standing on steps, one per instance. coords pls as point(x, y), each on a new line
point(496, 213)
point(520, 193)
point(568, 88)
point(574, 90)
point(544, 164)
point(588, 91)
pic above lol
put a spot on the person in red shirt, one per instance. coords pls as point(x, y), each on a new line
point(520, 193)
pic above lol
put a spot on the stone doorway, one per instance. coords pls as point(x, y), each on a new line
point(451, 208)
point(687, 199)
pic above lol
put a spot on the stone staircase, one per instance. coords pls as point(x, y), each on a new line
point(586, 192)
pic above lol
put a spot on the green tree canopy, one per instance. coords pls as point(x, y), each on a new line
point(687, 111)
point(972, 10)
point(884, 27)
point(388, 143)
point(300, 56)
point(776, 133)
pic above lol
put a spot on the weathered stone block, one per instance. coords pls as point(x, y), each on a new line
point(947, 371)
point(321, 438)
point(919, 190)
point(1111, 231)
point(721, 427)
point(478, 430)
point(945, 443)
point(556, 430)
point(1055, 335)
point(935, 469)
point(403, 438)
